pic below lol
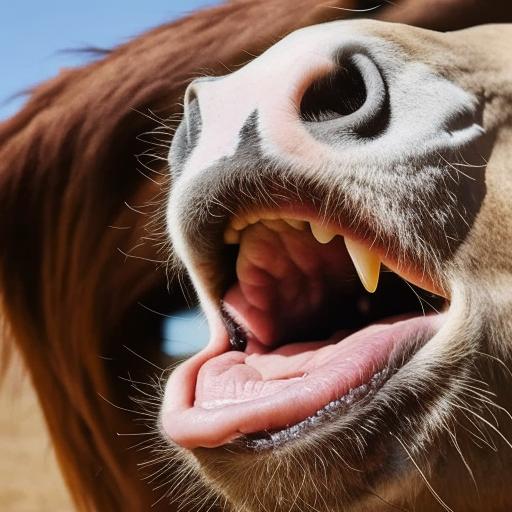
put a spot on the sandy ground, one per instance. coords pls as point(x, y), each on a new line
point(29, 478)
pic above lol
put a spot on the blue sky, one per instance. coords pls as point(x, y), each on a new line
point(33, 34)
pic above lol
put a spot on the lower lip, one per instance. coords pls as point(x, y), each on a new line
point(271, 440)
point(200, 408)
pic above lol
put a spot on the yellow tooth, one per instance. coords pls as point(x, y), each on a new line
point(275, 225)
point(239, 223)
point(231, 236)
point(367, 263)
point(296, 224)
point(322, 234)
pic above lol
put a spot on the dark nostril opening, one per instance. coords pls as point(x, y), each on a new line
point(340, 93)
point(187, 134)
point(192, 119)
point(190, 98)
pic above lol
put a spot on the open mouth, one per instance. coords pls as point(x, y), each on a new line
point(315, 323)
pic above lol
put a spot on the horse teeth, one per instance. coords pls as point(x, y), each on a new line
point(366, 262)
point(274, 224)
point(239, 223)
point(300, 225)
point(322, 234)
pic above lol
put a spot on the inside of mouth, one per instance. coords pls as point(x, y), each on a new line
point(308, 327)
point(289, 288)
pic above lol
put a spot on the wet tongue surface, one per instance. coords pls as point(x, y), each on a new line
point(235, 377)
point(237, 393)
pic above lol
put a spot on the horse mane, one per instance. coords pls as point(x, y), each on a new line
point(77, 197)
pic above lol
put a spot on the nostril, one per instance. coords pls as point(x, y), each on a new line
point(192, 116)
point(190, 98)
point(340, 93)
point(351, 100)
point(187, 134)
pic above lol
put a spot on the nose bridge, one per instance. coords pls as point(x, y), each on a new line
point(269, 88)
point(278, 77)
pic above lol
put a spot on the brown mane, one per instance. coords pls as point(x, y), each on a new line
point(71, 197)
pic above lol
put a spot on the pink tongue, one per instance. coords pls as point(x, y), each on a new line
point(236, 377)
point(237, 393)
